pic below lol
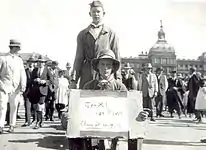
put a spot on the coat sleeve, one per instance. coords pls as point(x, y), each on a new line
point(79, 59)
point(114, 45)
point(155, 84)
point(166, 83)
point(23, 78)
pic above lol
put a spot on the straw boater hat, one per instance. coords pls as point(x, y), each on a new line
point(106, 54)
point(14, 43)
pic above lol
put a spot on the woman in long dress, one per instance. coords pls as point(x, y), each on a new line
point(62, 93)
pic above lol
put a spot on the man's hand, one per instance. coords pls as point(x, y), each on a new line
point(175, 88)
point(142, 116)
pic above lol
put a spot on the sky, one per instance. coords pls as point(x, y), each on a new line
point(50, 27)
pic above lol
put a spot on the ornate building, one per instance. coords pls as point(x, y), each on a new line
point(163, 54)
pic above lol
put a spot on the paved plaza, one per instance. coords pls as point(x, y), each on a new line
point(164, 134)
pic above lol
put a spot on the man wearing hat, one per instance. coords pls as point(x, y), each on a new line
point(12, 83)
point(129, 77)
point(41, 79)
point(162, 88)
point(92, 40)
point(149, 88)
point(52, 92)
point(67, 73)
point(174, 92)
point(27, 102)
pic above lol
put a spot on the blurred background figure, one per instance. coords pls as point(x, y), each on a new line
point(62, 93)
point(162, 88)
point(27, 99)
point(175, 94)
point(193, 87)
point(52, 91)
point(128, 77)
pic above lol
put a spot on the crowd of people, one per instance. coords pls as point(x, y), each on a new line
point(171, 92)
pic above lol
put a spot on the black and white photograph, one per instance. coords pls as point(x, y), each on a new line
point(103, 74)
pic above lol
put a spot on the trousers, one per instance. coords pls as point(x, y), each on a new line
point(13, 100)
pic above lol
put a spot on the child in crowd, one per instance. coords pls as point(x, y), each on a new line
point(62, 93)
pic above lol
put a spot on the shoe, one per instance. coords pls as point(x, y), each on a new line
point(161, 115)
point(51, 119)
point(11, 129)
point(26, 124)
point(152, 119)
point(37, 126)
point(47, 118)
point(18, 117)
point(1, 130)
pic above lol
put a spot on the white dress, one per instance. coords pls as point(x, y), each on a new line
point(201, 99)
point(62, 92)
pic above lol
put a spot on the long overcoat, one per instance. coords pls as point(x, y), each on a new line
point(88, 46)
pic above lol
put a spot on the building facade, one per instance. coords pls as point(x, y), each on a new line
point(163, 54)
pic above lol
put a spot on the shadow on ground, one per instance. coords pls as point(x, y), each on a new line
point(48, 142)
point(179, 143)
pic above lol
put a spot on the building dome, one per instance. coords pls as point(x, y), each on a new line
point(161, 46)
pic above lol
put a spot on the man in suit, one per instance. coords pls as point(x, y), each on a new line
point(12, 83)
point(193, 87)
point(52, 92)
point(90, 41)
point(149, 88)
point(162, 88)
point(175, 93)
point(27, 104)
point(41, 79)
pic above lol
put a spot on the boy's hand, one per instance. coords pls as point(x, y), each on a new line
point(142, 116)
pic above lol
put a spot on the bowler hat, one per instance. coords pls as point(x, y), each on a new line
point(96, 4)
point(41, 59)
point(68, 65)
point(173, 71)
point(106, 54)
point(14, 43)
point(55, 63)
point(127, 66)
point(159, 69)
point(32, 59)
point(148, 65)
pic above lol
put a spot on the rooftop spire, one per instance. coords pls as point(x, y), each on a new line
point(161, 33)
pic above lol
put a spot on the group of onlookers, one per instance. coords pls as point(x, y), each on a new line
point(41, 83)
point(47, 89)
point(172, 92)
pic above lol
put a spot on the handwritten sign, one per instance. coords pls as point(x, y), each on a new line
point(104, 114)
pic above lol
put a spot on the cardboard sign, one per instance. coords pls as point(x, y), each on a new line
point(103, 114)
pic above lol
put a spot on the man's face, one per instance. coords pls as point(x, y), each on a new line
point(159, 72)
point(173, 75)
point(40, 64)
point(148, 70)
point(97, 14)
point(68, 68)
point(14, 50)
point(105, 67)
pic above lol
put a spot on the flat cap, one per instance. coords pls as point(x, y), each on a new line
point(96, 4)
